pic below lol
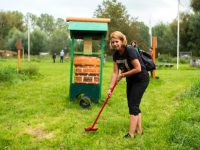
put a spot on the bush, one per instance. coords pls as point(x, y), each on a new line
point(184, 129)
point(184, 61)
point(7, 73)
point(31, 70)
point(165, 58)
point(194, 91)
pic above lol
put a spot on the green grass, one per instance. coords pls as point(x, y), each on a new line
point(36, 113)
point(185, 131)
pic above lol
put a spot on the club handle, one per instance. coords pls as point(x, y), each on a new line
point(112, 89)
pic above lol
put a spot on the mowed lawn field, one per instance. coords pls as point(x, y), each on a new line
point(36, 113)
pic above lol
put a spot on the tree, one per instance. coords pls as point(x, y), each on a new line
point(120, 21)
point(195, 4)
point(46, 23)
point(184, 31)
point(60, 24)
point(12, 37)
point(166, 41)
point(8, 20)
point(116, 12)
point(118, 15)
point(58, 40)
point(59, 37)
point(32, 20)
point(143, 37)
point(189, 29)
point(38, 42)
point(194, 41)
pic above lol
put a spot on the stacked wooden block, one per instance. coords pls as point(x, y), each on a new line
point(87, 69)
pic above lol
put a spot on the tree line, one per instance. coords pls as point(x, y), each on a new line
point(49, 34)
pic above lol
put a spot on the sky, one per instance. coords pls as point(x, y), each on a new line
point(150, 12)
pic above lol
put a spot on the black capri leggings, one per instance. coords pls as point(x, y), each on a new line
point(134, 93)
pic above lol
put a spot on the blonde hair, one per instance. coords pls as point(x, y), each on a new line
point(118, 35)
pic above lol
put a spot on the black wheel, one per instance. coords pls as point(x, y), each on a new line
point(79, 96)
point(85, 102)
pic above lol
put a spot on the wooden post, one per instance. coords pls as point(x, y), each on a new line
point(107, 20)
point(87, 45)
point(18, 60)
point(153, 54)
point(23, 54)
point(18, 46)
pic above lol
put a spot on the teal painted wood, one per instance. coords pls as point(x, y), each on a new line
point(88, 26)
point(90, 90)
point(71, 61)
point(101, 65)
point(81, 30)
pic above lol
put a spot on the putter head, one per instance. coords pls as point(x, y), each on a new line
point(91, 128)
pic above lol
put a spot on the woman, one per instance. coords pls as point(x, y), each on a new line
point(132, 68)
point(134, 44)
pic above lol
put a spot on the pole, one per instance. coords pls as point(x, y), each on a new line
point(18, 46)
point(28, 40)
point(153, 54)
point(23, 54)
point(178, 36)
point(18, 60)
point(150, 32)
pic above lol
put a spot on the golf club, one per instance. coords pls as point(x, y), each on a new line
point(92, 128)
